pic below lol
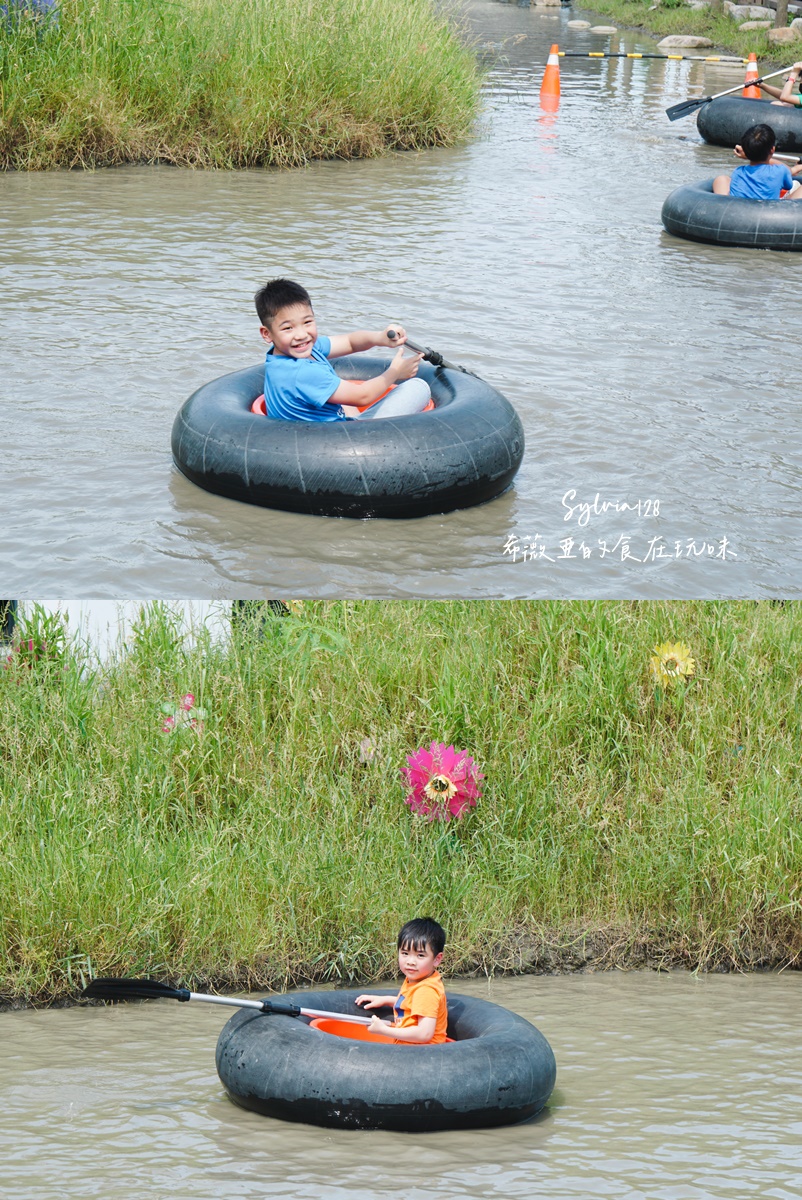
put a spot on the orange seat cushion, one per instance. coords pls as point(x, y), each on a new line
point(357, 1033)
point(258, 405)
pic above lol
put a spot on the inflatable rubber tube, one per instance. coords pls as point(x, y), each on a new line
point(465, 452)
point(499, 1070)
point(723, 122)
point(694, 211)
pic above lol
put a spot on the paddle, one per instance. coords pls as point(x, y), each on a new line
point(429, 355)
point(151, 989)
point(688, 106)
point(791, 158)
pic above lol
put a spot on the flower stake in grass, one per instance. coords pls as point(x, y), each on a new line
point(444, 782)
point(183, 715)
point(368, 749)
point(672, 663)
point(24, 653)
point(44, 636)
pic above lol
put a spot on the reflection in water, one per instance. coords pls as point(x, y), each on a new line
point(668, 1087)
point(533, 255)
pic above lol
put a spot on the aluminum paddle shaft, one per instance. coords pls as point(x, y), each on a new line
point(154, 989)
point(277, 1007)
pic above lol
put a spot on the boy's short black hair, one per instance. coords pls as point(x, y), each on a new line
point(421, 933)
point(278, 294)
point(758, 143)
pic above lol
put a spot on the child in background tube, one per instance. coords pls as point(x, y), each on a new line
point(784, 96)
point(764, 178)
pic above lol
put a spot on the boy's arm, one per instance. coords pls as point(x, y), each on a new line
point(420, 1034)
point(365, 339)
point(788, 87)
point(361, 395)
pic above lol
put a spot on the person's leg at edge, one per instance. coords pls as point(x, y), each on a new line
point(408, 397)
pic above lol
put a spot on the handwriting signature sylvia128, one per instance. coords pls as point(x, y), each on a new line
point(582, 511)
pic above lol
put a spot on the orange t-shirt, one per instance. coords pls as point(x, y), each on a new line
point(426, 998)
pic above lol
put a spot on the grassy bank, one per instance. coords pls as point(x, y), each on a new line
point(678, 18)
point(255, 83)
point(621, 823)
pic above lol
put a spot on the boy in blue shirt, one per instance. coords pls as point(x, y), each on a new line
point(300, 382)
point(762, 179)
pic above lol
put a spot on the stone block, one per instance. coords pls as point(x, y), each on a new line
point(756, 25)
point(684, 41)
point(745, 12)
point(603, 29)
point(785, 37)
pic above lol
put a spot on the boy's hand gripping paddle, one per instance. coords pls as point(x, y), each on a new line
point(429, 355)
point(151, 989)
point(688, 106)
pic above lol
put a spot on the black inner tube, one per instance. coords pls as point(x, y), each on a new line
point(500, 1070)
point(695, 212)
point(465, 452)
point(723, 122)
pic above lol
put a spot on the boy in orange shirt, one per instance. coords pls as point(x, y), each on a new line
point(421, 1016)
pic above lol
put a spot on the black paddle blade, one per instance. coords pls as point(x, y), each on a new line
point(132, 989)
point(685, 107)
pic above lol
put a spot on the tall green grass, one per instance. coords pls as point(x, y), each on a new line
point(251, 83)
point(619, 824)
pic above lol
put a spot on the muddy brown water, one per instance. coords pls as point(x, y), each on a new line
point(669, 1087)
point(645, 369)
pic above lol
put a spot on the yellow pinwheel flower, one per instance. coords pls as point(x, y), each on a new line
point(671, 662)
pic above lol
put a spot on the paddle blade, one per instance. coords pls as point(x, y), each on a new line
point(132, 989)
point(685, 107)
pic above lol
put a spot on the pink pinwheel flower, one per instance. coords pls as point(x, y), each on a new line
point(184, 715)
point(444, 782)
point(27, 653)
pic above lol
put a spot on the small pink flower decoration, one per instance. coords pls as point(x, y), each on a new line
point(444, 782)
point(25, 654)
point(183, 715)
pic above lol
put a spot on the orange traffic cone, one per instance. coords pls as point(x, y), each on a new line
point(550, 87)
point(750, 91)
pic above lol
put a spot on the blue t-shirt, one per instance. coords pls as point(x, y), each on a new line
point(760, 181)
point(298, 389)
